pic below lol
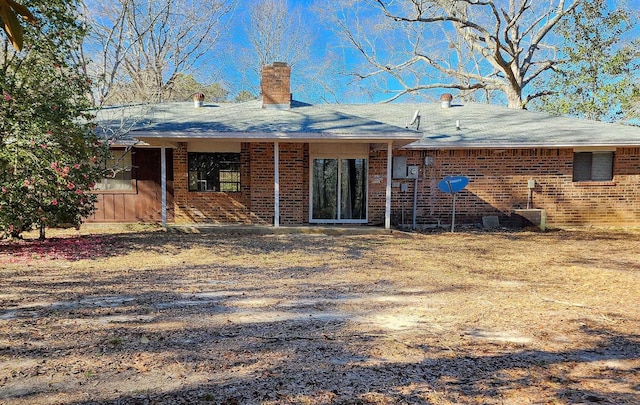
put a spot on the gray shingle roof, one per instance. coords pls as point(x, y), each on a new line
point(481, 125)
point(251, 121)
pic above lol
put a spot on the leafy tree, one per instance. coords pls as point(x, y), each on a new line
point(216, 92)
point(597, 79)
point(48, 153)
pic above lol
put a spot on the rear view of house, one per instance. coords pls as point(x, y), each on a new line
point(278, 161)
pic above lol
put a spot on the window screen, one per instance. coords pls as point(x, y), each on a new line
point(214, 172)
point(592, 166)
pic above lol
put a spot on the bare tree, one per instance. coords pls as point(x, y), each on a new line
point(140, 46)
point(510, 40)
point(275, 33)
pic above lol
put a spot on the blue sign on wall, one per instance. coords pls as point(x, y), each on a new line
point(453, 184)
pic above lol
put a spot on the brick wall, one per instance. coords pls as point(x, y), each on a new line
point(262, 186)
point(498, 185)
point(294, 185)
point(180, 178)
point(208, 207)
point(377, 186)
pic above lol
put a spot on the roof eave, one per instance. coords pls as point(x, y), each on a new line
point(469, 145)
point(178, 136)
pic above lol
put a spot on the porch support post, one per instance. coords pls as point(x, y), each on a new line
point(163, 184)
point(387, 205)
point(276, 188)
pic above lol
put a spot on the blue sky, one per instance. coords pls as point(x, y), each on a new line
point(325, 44)
point(323, 40)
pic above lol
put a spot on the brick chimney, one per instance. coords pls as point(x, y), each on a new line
point(276, 86)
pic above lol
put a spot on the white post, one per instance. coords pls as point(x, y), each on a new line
point(276, 175)
point(387, 204)
point(163, 184)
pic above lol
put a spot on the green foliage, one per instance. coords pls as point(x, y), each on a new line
point(597, 79)
point(185, 86)
point(48, 152)
point(244, 96)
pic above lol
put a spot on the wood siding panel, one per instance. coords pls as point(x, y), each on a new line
point(144, 203)
point(109, 207)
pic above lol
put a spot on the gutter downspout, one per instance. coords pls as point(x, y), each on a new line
point(276, 187)
point(415, 203)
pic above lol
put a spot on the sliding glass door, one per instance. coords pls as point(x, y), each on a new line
point(339, 190)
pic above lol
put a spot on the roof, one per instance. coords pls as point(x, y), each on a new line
point(249, 121)
point(484, 125)
point(468, 125)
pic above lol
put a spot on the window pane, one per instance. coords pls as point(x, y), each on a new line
point(339, 189)
point(117, 172)
point(229, 181)
point(325, 189)
point(592, 166)
point(602, 166)
point(582, 166)
point(353, 189)
point(214, 172)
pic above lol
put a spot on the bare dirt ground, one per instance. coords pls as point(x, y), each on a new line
point(151, 317)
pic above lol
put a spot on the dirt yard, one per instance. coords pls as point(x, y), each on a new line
point(152, 317)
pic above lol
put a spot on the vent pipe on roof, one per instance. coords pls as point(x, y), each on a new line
point(445, 100)
point(198, 100)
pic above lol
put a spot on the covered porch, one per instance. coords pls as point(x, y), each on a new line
point(282, 181)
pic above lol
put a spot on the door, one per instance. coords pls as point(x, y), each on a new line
point(339, 191)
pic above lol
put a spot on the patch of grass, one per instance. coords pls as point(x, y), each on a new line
point(115, 341)
point(207, 397)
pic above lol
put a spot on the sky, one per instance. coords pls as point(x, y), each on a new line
point(306, 78)
point(315, 81)
point(305, 83)
point(323, 40)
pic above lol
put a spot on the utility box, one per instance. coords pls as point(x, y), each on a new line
point(412, 172)
point(402, 171)
point(399, 167)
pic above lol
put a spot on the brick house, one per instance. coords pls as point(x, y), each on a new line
point(282, 162)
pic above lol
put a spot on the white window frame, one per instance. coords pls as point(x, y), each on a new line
point(339, 157)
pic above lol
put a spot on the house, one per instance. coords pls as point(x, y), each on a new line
point(278, 161)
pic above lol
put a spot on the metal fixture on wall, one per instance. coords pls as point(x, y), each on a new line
point(531, 184)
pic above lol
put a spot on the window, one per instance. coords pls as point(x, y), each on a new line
point(214, 172)
point(592, 166)
point(117, 171)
